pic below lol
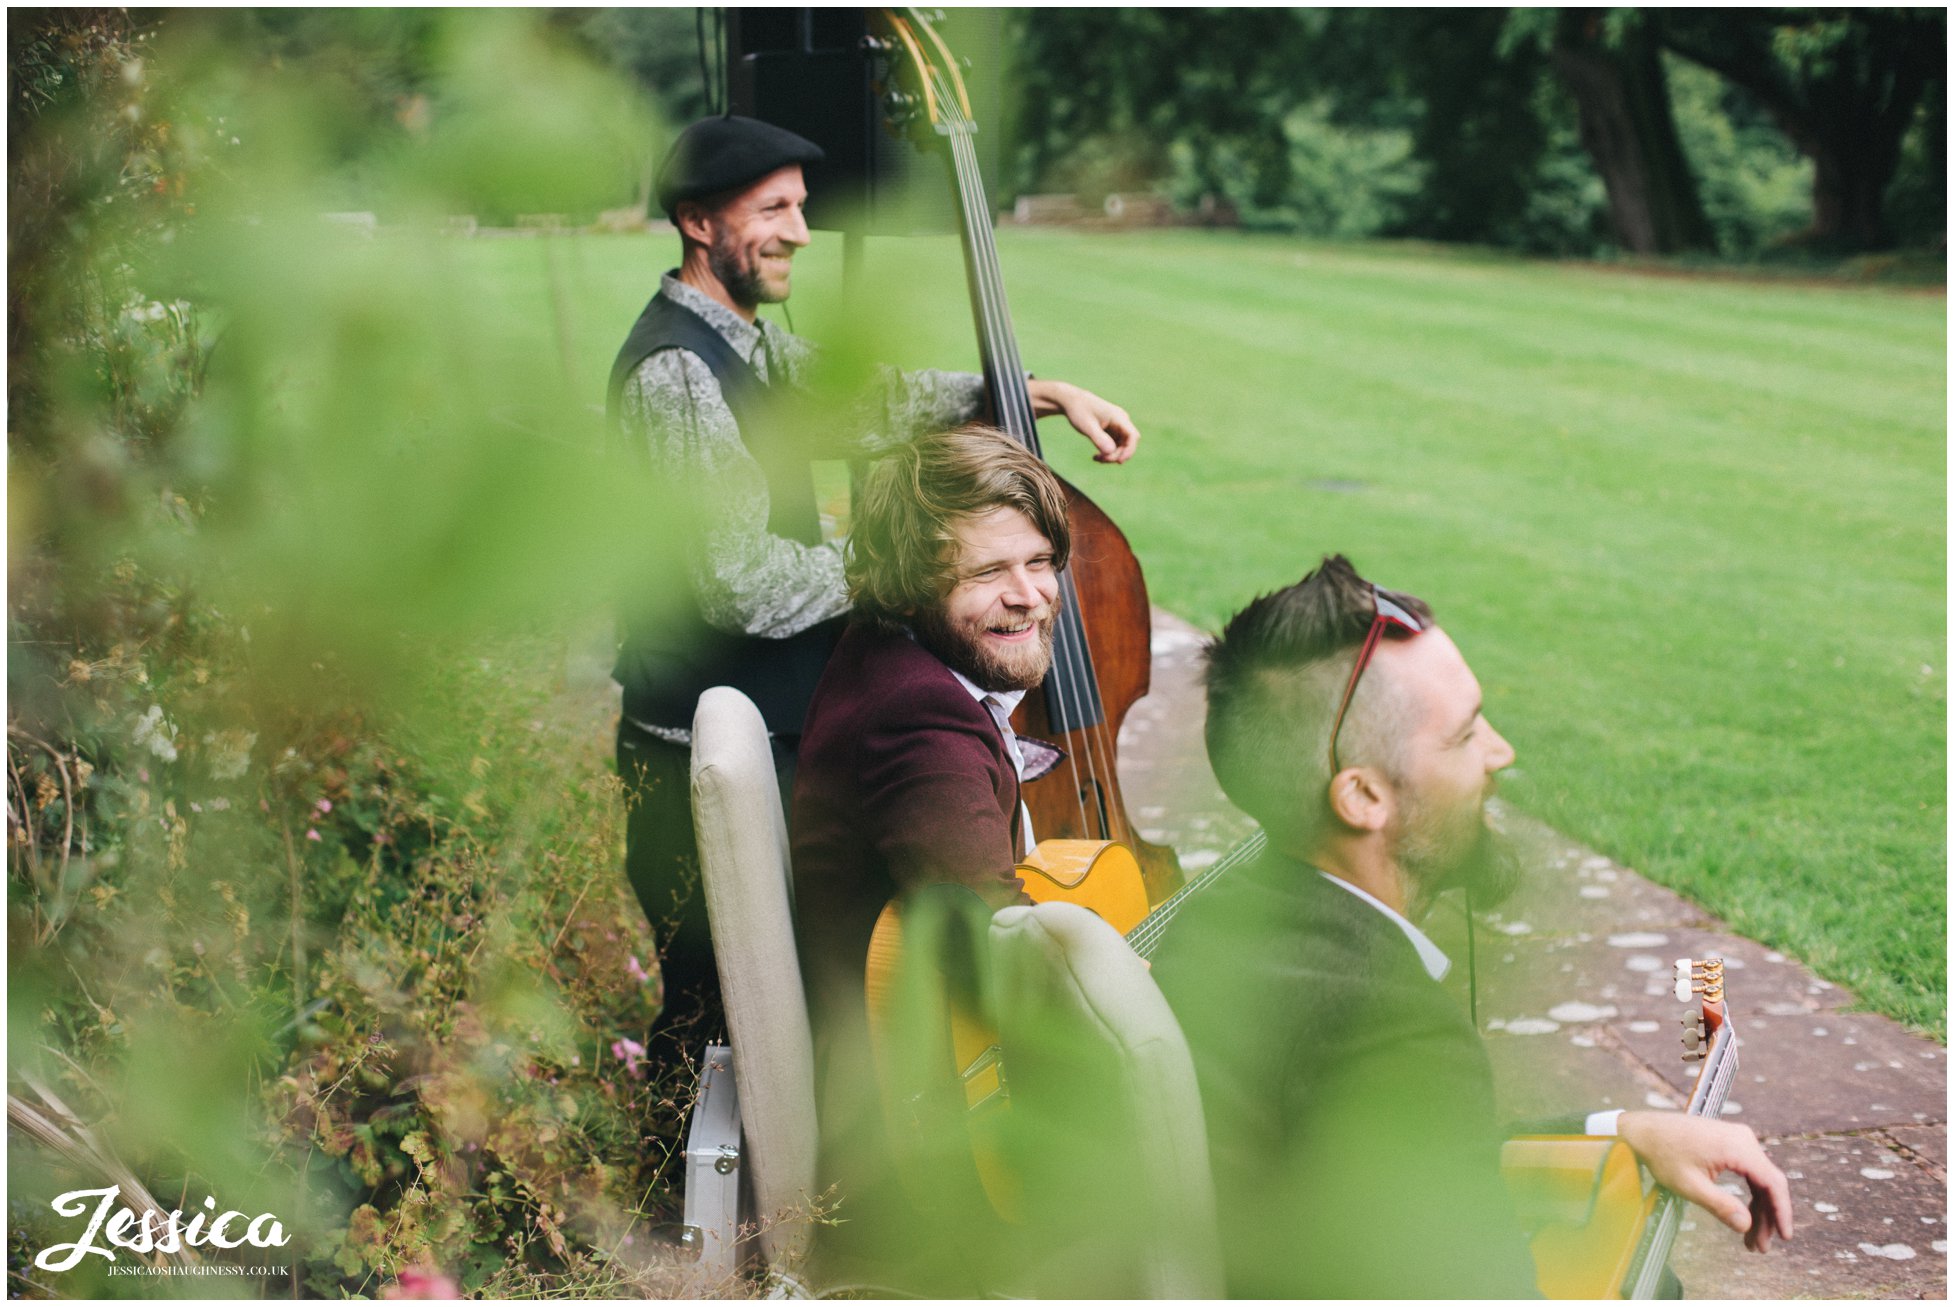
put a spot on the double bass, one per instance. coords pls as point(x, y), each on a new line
point(1101, 649)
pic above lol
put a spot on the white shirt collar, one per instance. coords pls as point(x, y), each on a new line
point(1007, 699)
point(1433, 957)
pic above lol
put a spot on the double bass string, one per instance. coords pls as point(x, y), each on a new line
point(1000, 348)
point(1000, 353)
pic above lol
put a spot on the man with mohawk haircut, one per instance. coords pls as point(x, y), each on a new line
point(1349, 1098)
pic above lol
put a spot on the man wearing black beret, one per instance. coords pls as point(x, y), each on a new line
point(696, 388)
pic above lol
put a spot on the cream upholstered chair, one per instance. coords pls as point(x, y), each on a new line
point(744, 868)
point(1106, 1115)
point(1105, 1119)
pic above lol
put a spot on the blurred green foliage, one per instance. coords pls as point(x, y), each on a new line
point(312, 896)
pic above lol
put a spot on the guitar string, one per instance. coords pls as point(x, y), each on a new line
point(1653, 1255)
point(1146, 936)
point(1001, 353)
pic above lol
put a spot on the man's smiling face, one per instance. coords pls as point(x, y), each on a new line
point(995, 624)
point(753, 236)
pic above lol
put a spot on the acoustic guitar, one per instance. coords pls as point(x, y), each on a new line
point(1600, 1227)
point(1095, 874)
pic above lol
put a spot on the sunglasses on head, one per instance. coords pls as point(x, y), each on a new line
point(1390, 618)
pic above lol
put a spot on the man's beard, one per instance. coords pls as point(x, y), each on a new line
point(991, 667)
point(742, 280)
point(1441, 849)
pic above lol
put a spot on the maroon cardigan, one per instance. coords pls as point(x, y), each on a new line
point(903, 781)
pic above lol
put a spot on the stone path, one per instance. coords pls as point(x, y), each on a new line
point(1574, 992)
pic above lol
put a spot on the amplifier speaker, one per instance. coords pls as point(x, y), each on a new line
point(817, 72)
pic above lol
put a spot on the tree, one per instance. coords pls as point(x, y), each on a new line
point(1843, 84)
point(1211, 90)
point(1611, 63)
point(1216, 84)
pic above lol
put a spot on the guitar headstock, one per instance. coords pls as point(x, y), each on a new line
point(1707, 1014)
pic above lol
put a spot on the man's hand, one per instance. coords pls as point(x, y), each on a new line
point(1686, 1154)
point(1106, 425)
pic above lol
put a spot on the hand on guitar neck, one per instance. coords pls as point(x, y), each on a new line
point(1686, 1154)
point(1105, 424)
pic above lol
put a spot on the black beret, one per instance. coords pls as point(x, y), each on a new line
point(717, 154)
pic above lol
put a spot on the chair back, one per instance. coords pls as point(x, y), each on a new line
point(1105, 1115)
point(743, 864)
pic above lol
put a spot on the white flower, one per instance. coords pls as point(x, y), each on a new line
point(230, 753)
point(155, 734)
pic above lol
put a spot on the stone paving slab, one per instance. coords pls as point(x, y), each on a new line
point(1866, 1222)
point(1862, 1073)
point(1575, 994)
point(1925, 1145)
point(1572, 890)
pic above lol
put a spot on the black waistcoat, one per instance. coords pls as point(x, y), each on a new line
point(667, 654)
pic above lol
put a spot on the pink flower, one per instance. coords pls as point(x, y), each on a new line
point(422, 1282)
point(636, 970)
point(323, 806)
point(312, 835)
point(632, 1054)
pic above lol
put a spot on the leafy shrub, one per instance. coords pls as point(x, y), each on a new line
point(315, 900)
point(1756, 188)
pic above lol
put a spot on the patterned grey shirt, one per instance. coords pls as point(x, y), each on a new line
point(748, 580)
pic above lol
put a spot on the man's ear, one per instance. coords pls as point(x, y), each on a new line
point(694, 222)
point(1362, 799)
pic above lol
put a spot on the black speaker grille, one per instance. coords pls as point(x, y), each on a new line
point(808, 70)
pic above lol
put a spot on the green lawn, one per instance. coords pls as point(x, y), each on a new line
point(1691, 532)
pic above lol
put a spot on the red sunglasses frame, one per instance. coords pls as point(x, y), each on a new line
point(1388, 616)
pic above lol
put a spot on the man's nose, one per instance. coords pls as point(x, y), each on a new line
point(1024, 589)
point(796, 233)
point(1502, 754)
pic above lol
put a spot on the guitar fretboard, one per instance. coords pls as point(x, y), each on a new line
point(1146, 936)
point(1712, 1088)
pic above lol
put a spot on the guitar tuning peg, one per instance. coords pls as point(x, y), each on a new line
point(1692, 1038)
point(1683, 989)
point(1693, 1055)
point(1683, 967)
point(1693, 1018)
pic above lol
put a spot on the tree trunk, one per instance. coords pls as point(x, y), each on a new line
point(1849, 192)
point(1629, 131)
point(1847, 108)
